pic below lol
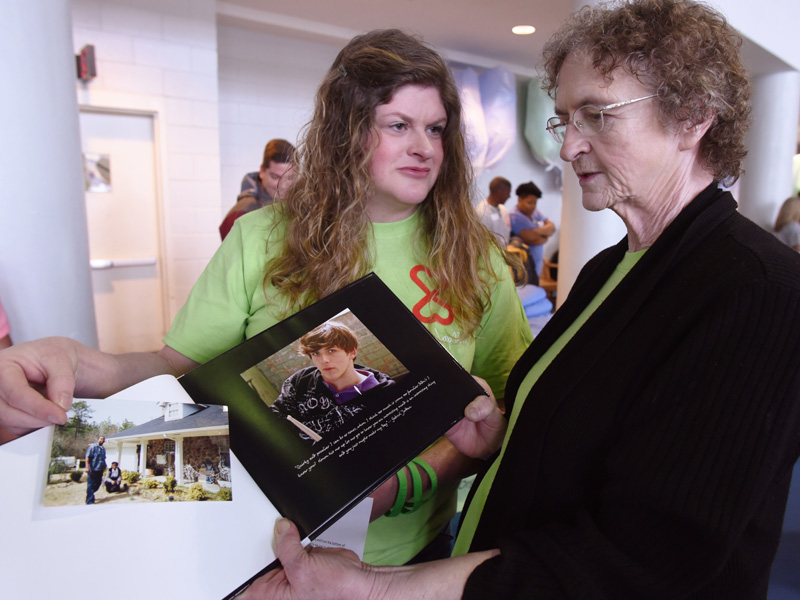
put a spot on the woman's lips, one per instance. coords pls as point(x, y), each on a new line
point(417, 172)
point(587, 176)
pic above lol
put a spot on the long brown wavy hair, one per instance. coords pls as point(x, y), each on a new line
point(328, 241)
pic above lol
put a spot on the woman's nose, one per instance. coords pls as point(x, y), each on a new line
point(575, 143)
point(420, 144)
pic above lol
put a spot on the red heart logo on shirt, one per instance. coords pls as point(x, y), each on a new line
point(430, 296)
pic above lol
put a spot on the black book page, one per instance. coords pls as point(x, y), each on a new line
point(314, 481)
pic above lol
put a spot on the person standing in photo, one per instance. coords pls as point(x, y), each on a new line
point(95, 467)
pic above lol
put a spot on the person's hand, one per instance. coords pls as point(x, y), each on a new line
point(480, 434)
point(310, 574)
point(37, 381)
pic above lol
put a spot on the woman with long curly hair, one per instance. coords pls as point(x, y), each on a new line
point(383, 184)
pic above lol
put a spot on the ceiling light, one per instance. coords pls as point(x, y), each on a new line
point(523, 29)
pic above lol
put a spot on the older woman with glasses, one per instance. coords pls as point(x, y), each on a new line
point(653, 424)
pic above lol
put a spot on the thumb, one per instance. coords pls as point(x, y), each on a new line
point(286, 543)
point(480, 408)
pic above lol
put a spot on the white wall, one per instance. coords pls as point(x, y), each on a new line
point(266, 90)
point(771, 24)
point(160, 56)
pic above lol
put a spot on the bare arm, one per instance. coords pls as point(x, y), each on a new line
point(323, 574)
point(454, 457)
point(38, 379)
point(547, 229)
point(539, 235)
point(447, 462)
point(530, 237)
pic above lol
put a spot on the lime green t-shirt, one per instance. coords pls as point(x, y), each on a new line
point(228, 304)
point(475, 508)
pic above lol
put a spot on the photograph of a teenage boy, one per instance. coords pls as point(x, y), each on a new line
point(324, 396)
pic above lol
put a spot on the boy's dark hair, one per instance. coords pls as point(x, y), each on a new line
point(279, 151)
point(328, 335)
point(528, 189)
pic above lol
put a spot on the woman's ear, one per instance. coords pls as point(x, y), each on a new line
point(692, 133)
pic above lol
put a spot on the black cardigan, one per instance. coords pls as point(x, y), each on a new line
point(653, 457)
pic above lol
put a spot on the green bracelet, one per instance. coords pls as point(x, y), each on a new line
point(432, 475)
point(416, 501)
point(402, 490)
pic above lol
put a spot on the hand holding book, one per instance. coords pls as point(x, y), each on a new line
point(481, 432)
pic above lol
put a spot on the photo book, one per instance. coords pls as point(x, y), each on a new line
point(321, 409)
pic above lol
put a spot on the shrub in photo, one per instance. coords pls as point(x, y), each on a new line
point(57, 467)
point(76, 476)
point(197, 492)
point(170, 483)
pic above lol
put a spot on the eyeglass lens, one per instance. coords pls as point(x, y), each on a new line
point(587, 119)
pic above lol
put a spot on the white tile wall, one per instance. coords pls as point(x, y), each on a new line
point(181, 84)
point(126, 18)
point(181, 166)
point(160, 56)
point(138, 79)
point(266, 90)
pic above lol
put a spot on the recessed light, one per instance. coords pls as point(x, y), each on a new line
point(523, 29)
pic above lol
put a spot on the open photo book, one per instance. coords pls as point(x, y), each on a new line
point(321, 409)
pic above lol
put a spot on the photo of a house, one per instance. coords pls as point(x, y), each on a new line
point(181, 454)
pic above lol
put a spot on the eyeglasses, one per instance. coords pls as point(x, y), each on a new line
point(587, 119)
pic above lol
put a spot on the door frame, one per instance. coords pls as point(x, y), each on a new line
point(158, 191)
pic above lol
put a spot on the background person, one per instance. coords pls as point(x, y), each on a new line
point(492, 211)
point(787, 224)
point(654, 422)
point(531, 226)
point(390, 196)
point(264, 186)
point(323, 396)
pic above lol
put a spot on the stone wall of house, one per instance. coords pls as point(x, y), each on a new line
point(155, 448)
point(196, 452)
point(199, 450)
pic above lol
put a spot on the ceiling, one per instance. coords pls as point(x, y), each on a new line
point(473, 32)
point(476, 32)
